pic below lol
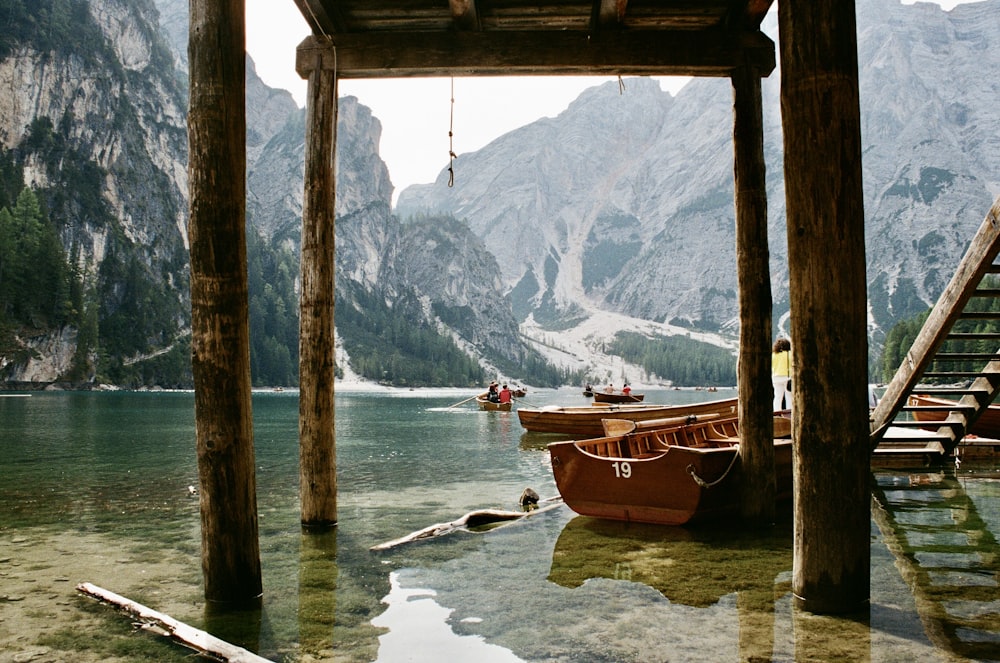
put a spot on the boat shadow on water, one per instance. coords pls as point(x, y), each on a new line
point(694, 566)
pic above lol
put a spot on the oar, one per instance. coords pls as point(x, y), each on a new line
point(521, 400)
point(462, 402)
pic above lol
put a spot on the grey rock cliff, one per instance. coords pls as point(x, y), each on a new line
point(627, 198)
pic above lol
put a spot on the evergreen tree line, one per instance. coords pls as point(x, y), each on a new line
point(39, 289)
point(274, 313)
point(680, 359)
point(900, 338)
point(393, 346)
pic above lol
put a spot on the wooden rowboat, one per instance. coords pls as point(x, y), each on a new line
point(987, 425)
point(487, 404)
point(617, 397)
point(585, 421)
point(680, 474)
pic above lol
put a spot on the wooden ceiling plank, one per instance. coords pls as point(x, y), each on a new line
point(322, 17)
point(465, 14)
point(680, 53)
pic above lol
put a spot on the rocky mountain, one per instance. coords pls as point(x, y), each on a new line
point(628, 196)
point(96, 122)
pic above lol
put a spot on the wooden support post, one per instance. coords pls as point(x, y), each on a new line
point(753, 272)
point(220, 336)
point(826, 251)
point(317, 450)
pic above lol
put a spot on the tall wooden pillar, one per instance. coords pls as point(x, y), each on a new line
point(220, 336)
point(826, 253)
point(316, 61)
point(753, 273)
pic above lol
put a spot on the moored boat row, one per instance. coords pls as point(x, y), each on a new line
point(585, 421)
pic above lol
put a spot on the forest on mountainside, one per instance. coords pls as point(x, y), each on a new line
point(685, 361)
point(900, 338)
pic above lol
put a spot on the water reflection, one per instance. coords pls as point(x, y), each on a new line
point(317, 592)
point(418, 630)
point(947, 554)
point(693, 567)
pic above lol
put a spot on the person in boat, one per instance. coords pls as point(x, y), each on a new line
point(505, 395)
point(627, 390)
point(493, 395)
point(781, 373)
point(610, 389)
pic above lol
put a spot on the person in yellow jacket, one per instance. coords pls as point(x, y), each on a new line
point(781, 374)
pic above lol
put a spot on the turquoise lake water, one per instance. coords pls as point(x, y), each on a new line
point(95, 489)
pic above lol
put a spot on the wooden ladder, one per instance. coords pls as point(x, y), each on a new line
point(930, 357)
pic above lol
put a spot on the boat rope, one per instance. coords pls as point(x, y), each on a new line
point(712, 484)
point(451, 132)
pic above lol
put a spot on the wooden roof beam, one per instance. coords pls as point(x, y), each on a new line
point(608, 14)
point(319, 19)
point(540, 53)
point(465, 14)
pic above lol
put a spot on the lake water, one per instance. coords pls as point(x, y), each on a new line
point(95, 489)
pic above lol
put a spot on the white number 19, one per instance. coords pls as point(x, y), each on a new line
point(623, 470)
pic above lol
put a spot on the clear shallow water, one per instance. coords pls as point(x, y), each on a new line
point(94, 488)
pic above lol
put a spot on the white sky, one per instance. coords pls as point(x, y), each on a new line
point(416, 112)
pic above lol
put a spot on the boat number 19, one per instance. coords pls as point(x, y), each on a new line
point(623, 469)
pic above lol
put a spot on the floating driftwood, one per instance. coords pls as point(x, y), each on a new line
point(478, 518)
point(165, 625)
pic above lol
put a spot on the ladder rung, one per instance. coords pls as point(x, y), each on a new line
point(986, 292)
point(967, 356)
point(959, 374)
point(928, 425)
point(955, 407)
point(979, 315)
point(923, 444)
point(949, 391)
point(973, 336)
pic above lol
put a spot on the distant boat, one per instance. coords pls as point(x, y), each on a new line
point(987, 425)
point(674, 475)
point(585, 421)
point(588, 391)
point(519, 392)
point(617, 397)
point(487, 404)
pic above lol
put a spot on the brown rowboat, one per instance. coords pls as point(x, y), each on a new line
point(684, 473)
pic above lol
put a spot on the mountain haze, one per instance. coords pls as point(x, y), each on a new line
point(627, 195)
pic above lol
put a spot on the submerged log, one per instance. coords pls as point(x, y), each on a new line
point(479, 518)
point(198, 640)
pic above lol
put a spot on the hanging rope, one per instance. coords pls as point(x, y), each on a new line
point(621, 85)
point(451, 149)
point(705, 484)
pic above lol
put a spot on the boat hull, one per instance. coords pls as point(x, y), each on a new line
point(608, 478)
point(604, 397)
point(987, 425)
point(490, 406)
point(586, 421)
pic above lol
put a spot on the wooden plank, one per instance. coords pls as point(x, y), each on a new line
point(196, 639)
point(975, 264)
point(465, 14)
point(509, 53)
